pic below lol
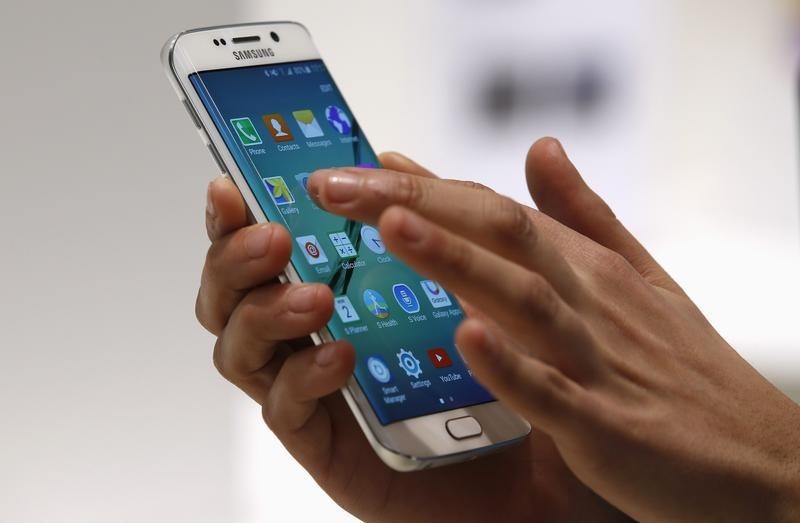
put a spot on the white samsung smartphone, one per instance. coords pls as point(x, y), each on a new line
point(270, 113)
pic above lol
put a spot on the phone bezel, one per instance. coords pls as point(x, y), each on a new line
point(409, 444)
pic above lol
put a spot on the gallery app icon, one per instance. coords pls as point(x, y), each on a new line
point(308, 123)
point(343, 245)
point(435, 294)
point(344, 308)
point(439, 358)
point(246, 131)
point(278, 190)
point(378, 368)
point(405, 298)
point(376, 304)
point(372, 239)
point(338, 120)
point(277, 127)
point(311, 249)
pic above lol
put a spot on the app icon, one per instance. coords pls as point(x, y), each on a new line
point(366, 165)
point(311, 249)
point(338, 119)
point(347, 313)
point(376, 304)
point(435, 294)
point(372, 239)
point(277, 127)
point(246, 131)
point(302, 179)
point(342, 244)
point(409, 363)
point(378, 368)
point(439, 357)
point(278, 190)
point(405, 298)
point(308, 123)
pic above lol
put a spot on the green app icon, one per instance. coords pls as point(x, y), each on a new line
point(246, 131)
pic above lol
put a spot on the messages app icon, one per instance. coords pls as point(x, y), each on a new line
point(308, 123)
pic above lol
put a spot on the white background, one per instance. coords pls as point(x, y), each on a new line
point(111, 408)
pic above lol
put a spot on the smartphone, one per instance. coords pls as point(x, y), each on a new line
point(270, 113)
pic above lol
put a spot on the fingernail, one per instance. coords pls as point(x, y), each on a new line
point(412, 229)
point(302, 299)
point(257, 241)
point(340, 186)
point(210, 209)
point(325, 355)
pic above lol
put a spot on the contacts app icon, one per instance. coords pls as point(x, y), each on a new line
point(277, 127)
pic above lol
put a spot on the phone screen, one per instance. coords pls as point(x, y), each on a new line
point(281, 123)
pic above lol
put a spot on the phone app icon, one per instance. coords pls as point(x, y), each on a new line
point(439, 357)
point(308, 123)
point(338, 120)
point(372, 239)
point(435, 294)
point(278, 190)
point(376, 304)
point(311, 249)
point(344, 308)
point(246, 131)
point(379, 369)
point(277, 127)
point(344, 247)
point(405, 298)
point(302, 179)
point(409, 363)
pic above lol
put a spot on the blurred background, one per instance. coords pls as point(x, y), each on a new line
point(682, 114)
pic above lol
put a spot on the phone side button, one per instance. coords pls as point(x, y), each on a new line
point(215, 154)
point(192, 114)
point(463, 428)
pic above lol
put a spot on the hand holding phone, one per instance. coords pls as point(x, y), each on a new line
point(265, 351)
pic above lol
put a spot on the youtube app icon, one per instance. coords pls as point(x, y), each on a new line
point(439, 357)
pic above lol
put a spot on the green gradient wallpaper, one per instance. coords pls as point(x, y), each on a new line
point(281, 123)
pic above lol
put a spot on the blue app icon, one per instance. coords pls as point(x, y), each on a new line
point(376, 304)
point(405, 298)
point(378, 368)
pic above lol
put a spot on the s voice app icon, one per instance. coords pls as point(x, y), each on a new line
point(439, 358)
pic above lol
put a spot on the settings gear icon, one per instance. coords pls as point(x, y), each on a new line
point(409, 363)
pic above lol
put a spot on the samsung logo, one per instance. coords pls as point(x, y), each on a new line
point(251, 54)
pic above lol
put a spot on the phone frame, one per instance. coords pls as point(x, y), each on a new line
point(404, 445)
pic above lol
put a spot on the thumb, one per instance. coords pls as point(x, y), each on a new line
point(561, 193)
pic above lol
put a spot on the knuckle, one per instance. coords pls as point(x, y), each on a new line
point(408, 191)
point(458, 256)
point(218, 358)
point(468, 184)
point(614, 264)
point(509, 219)
point(539, 298)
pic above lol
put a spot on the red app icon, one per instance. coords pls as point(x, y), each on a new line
point(439, 357)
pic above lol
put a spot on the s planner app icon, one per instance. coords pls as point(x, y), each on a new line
point(435, 294)
point(405, 298)
point(277, 127)
point(439, 358)
point(376, 304)
point(246, 131)
point(308, 123)
point(278, 190)
point(311, 249)
point(344, 308)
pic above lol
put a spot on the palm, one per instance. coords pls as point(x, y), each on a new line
point(528, 481)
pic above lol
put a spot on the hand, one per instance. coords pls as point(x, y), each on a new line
point(262, 348)
point(576, 326)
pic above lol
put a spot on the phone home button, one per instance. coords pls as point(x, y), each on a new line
point(463, 428)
